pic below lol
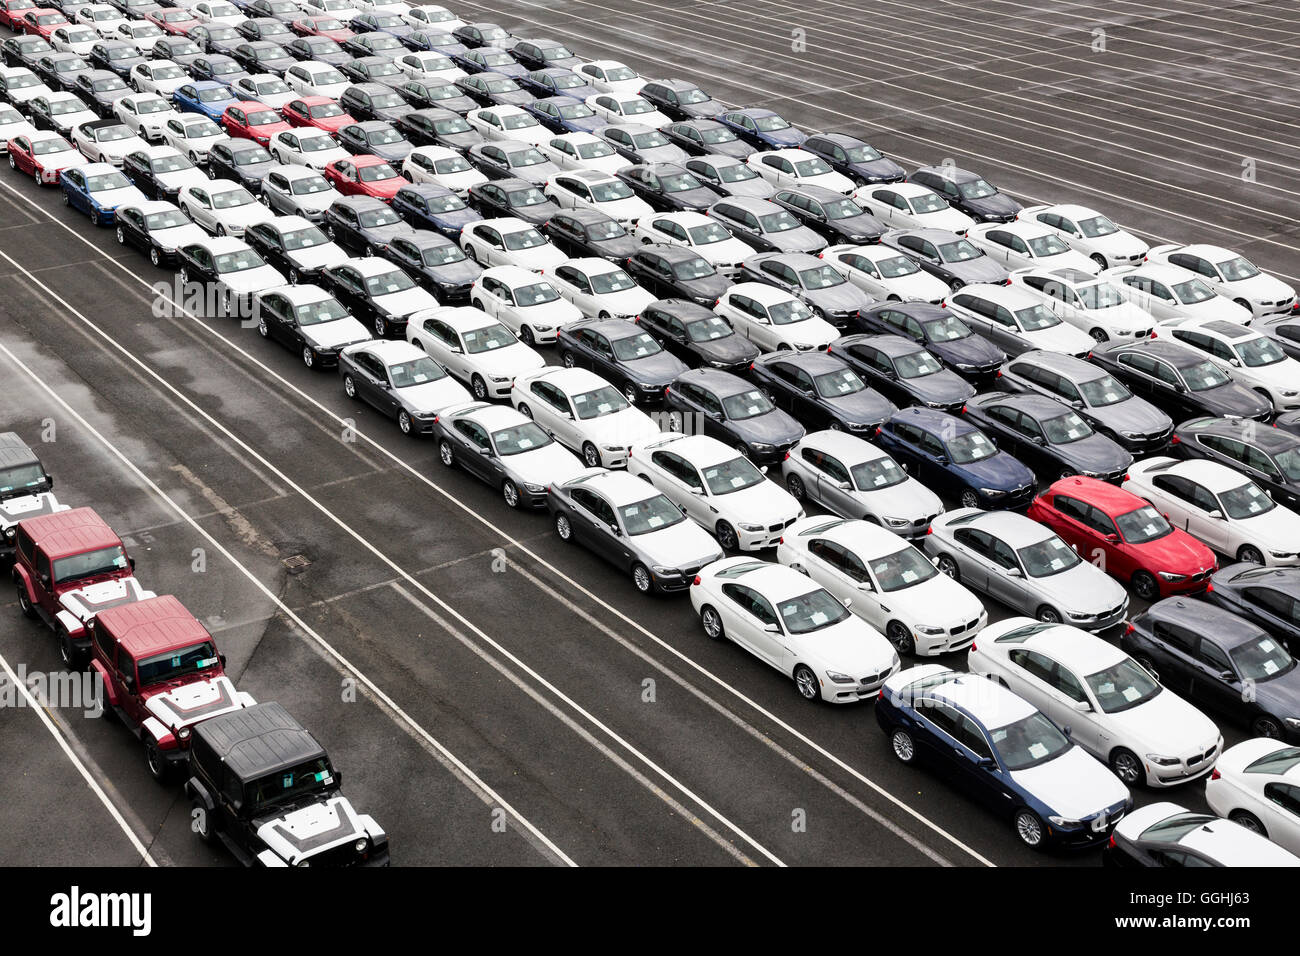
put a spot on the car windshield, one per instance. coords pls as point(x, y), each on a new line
point(729, 476)
point(837, 209)
point(146, 105)
point(678, 183)
point(862, 153)
point(708, 330)
point(239, 261)
point(634, 347)
point(1142, 525)
point(1100, 392)
point(1064, 429)
point(326, 77)
point(1097, 226)
point(304, 239)
point(232, 198)
point(203, 130)
point(971, 447)
point(314, 144)
point(519, 120)
point(736, 173)
point(1122, 686)
point(615, 281)
point(314, 313)
point(452, 164)
point(170, 665)
point(112, 134)
point(902, 569)
point(43, 147)
point(1246, 501)
point(322, 111)
point(770, 124)
point(1192, 291)
point(649, 140)
point(171, 219)
point(917, 365)
point(594, 150)
point(447, 203)
point(444, 253)
point(1261, 658)
point(714, 135)
point(415, 372)
point(652, 514)
point(812, 167)
point(523, 239)
point(821, 277)
point(1049, 245)
point(811, 612)
point(577, 111)
point(1036, 318)
point(376, 173)
point(288, 784)
point(960, 251)
point(519, 439)
point(745, 405)
point(1289, 462)
point(450, 127)
point(878, 473)
point(1029, 742)
point(104, 561)
point(603, 231)
point(1048, 557)
point(788, 313)
point(250, 156)
point(214, 94)
point(22, 81)
point(1259, 352)
point(708, 233)
point(106, 181)
point(927, 202)
point(599, 402)
point(1204, 376)
point(109, 84)
point(947, 329)
point(975, 189)
point(608, 191)
point(21, 477)
point(384, 137)
point(310, 184)
point(1101, 295)
point(778, 222)
point(539, 293)
point(385, 101)
point(60, 107)
point(697, 268)
point(488, 339)
point(839, 383)
point(389, 283)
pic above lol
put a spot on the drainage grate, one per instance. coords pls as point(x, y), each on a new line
point(296, 563)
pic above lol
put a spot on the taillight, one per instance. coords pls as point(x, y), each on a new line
point(1154, 334)
point(781, 540)
point(1175, 440)
point(696, 581)
point(751, 366)
point(973, 648)
point(667, 389)
point(1214, 774)
point(999, 374)
point(1008, 282)
point(717, 301)
point(786, 457)
point(963, 410)
point(1111, 842)
point(1128, 627)
point(943, 304)
point(1125, 478)
point(929, 529)
point(877, 431)
point(1209, 588)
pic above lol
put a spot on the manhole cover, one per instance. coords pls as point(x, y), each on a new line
point(296, 563)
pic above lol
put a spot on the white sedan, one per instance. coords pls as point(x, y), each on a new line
point(1015, 320)
point(1232, 276)
point(1173, 294)
point(217, 11)
point(798, 167)
point(146, 114)
point(141, 34)
point(1087, 302)
point(785, 620)
point(885, 581)
point(157, 76)
point(1019, 245)
point(885, 273)
point(1257, 784)
point(12, 123)
point(911, 206)
point(430, 16)
point(303, 146)
point(508, 122)
point(774, 319)
point(106, 141)
point(474, 347)
point(590, 189)
point(1221, 507)
point(1165, 834)
point(222, 207)
point(611, 76)
point(101, 18)
point(1248, 357)
point(1088, 231)
point(442, 166)
point(582, 151)
point(1115, 710)
point(696, 231)
point(616, 108)
point(314, 78)
point(74, 38)
point(599, 288)
point(428, 65)
point(508, 241)
point(525, 302)
point(718, 488)
point(193, 135)
point(583, 412)
point(264, 88)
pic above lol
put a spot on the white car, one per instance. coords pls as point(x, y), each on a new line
point(526, 302)
point(1115, 710)
point(696, 231)
point(101, 18)
point(157, 76)
point(314, 78)
point(1020, 245)
point(1089, 303)
point(341, 10)
point(304, 146)
point(509, 242)
point(1221, 507)
point(1165, 834)
point(264, 88)
point(1015, 320)
point(474, 347)
point(583, 412)
point(298, 191)
point(146, 114)
point(1257, 784)
point(430, 16)
point(106, 141)
point(21, 86)
point(611, 76)
point(774, 319)
point(193, 135)
point(1231, 276)
point(798, 167)
point(397, 7)
point(508, 122)
point(582, 151)
point(69, 110)
point(398, 375)
point(599, 288)
point(1248, 357)
point(887, 582)
point(718, 488)
point(240, 272)
point(885, 273)
point(1173, 294)
point(589, 189)
point(217, 11)
point(141, 34)
point(616, 108)
point(787, 621)
point(12, 123)
point(442, 166)
point(167, 226)
point(911, 206)
point(1088, 231)
point(222, 207)
point(428, 65)
point(74, 38)
point(852, 478)
point(172, 170)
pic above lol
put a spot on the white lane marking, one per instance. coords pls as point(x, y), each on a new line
point(449, 760)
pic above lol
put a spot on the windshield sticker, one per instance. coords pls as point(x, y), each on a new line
point(1131, 694)
point(1267, 646)
point(1037, 751)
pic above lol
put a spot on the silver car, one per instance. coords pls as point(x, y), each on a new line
point(298, 191)
point(1025, 566)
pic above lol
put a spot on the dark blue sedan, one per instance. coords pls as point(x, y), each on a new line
point(426, 206)
point(564, 114)
point(764, 129)
point(98, 190)
point(557, 81)
point(206, 96)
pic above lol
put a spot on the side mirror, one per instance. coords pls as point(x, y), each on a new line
point(1012, 572)
point(1038, 439)
point(455, 349)
point(1235, 363)
point(616, 531)
point(865, 586)
point(843, 485)
point(697, 490)
point(1216, 514)
point(941, 459)
point(45, 581)
point(1227, 677)
point(1067, 730)
point(1112, 538)
point(485, 451)
point(772, 628)
point(935, 562)
point(986, 763)
point(1082, 706)
point(847, 602)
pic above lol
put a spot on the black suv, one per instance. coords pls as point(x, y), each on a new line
point(22, 476)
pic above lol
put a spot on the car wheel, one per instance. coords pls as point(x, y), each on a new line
point(1067, 474)
point(67, 653)
point(955, 284)
point(1099, 335)
point(121, 236)
point(603, 315)
point(1148, 665)
point(525, 411)
point(154, 760)
point(743, 450)
point(404, 423)
point(200, 821)
point(563, 528)
point(900, 637)
point(1248, 820)
point(13, 163)
point(726, 535)
point(212, 173)
point(590, 455)
point(836, 427)
point(1267, 727)
point(1244, 304)
point(36, 175)
point(1029, 827)
point(473, 257)
point(1048, 615)
point(805, 681)
point(900, 741)
point(1098, 258)
point(185, 276)
point(381, 327)
point(66, 200)
point(265, 200)
point(329, 231)
point(712, 623)
point(445, 454)
point(194, 157)
point(568, 359)
point(1126, 766)
point(479, 388)
point(1250, 554)
point(478, 304)
point(262, 329)
point(794, 484)
point(370, 250)
point(948, 565)
point(526, 336)
point(24, 603)
point(510, 491)
point(631, 393)
point(155, 256)
point(969, 499)
point(641, 578)
point(1145, 585)
point(293, 277)
point(221, 230)
point(675, 422)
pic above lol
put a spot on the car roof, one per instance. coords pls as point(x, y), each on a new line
point(462, 318)
point(892, 345)
point(937, 236)
point(1175, 353)
point(721, 383)
point(1012, 296)
point(951, 173)
point(750, 203)
point(1213, 475)
point(1222, 329)
point(617, 487)
point(151, 206)
point(1205, 250)
point(1269, 439)
point(586, 175)
point(515, 275)
point(990, 703)
point(673, 253)
point(1109, 498)
point(14, 451)
point(1039, 406)
point(611, 328)
point(1078, 650)
point(933, 420)
point(815, 363)
point(867, 540)
point(1209, 620)
point(700, 450)
point(585, 216)
point(850, 449)
point(761, 292)
point(152, 626)
point(1233, 845)
point(371, 265)
point(569, 379)
point(258, 740)
point(393, 350)
point(303, 294)
point(1016, 530)
point(364, 159)
point(356, 202)
point(70, 532)
point(492, 416)
point(591, 265)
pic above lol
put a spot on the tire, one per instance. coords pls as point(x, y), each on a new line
point(294, 278)
point(35, 175)
point(479, 387)
point(1126, 765)
point(445, 454)
point(1248, 820)
point(1067, 474)
point(591, 455)
point(563, 527)
point(121, 236)
point(66, 200)
point(969, 499)
point(526, 336)
point(1099, 335)
point(641, 579)
point(212, 173)
point(1048, 614)
point(308, 357)
point(836, 427)
point(955, 285)
point(743, 450)
point(473, 257)
point(67, 653)
point(1098, 258)
point(478, 304)
point(711, 621)
point(155, 256)
point(510, 492)
point(726, 536)
point(349, 387)
point(675, 422)
point(381, 327)
point(13, 163)
point(1145, 585)
point(805, 681)
point(265, 200)
point(1267, 726)
point(898, 635)
point(948, 565)
point(329, 232)
point(1250, 554)
point(794, 484)
point(568, 359)
point(221, 230)
point(525, 410)
point(24, 603)
point(405, 424)
point(632, 394)
point(901, 743)
point(1029, 828)
point(154, 760)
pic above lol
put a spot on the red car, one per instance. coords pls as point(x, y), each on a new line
point(319, 112)
point(11, 12)
point(41, 22)
point(322, 27)
point(364, 175)
point(253, 120)
point(174, 21)
point(1125, 536)
point(43, 156)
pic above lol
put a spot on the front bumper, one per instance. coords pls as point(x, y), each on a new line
point(1187, 769)
point(958, 637)
point(866, 688)
point(768, 537)
point(1101, 622)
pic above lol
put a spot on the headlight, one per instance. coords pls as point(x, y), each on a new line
point(992, 492)
point(499, 379)
point(1079, 617)
point(750, 527)
point(1065, 821)
point(897, 522)
point(929, 630)
point(658, 570)
point(1171, 576)
point(183, 733)
point(543, 328)
point(1160, 761)
point(1131, 434)
point(1293, 722)
point(965, 368)
point(1289, 393)
point(839, 678)
point(1282, 554)
point(360, 846)
point(760, 446)
point(534, 489)
point(9, 533)
point(613, 447)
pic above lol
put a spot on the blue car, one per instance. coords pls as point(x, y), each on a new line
point(954, 458)
point(762, 129)
point(564, 114)
point(389, 23)
point(206, 96)
point(557, 81)
point(98, 190)
point(435, 40)
point(984, 739)
point(488, 59)
point(426, 206)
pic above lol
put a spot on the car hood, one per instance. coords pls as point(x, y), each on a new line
point(1074, 785)
point(317, 257)
point(1084, 588)
point(772, 428)
point(972, 350)
point(335, 334)
point(1001, 471)
point(851, 647)
point(404, 303)
point(668, 153)
point(1061, 338)
point(879, 170)
point(1095, 453)
point(1168, 726)
point(615, 249)
point(799, 239)
point(172, 239)
point(22, 507)
point(999, 204)
point(658, 369)
point(1281, 695)
point(758, 188)
point(730, 350)
point(763, 503)
point(1135, 415)
point(867, 407)
point(433, 396)
point(710, 287)
point(1180, 552)
point(979, 269)
point(1262, 287)
point(252, 280)
point(845, 297)
point(182, 178)
point(186, 705)
point(384, 234)
point(940, 602)
point(509, 360)
point(245, 215)
point(736, 147)
point(1233, 400)
point(1277, 530)
point(455, 272)
point(85, 602)
point(944, 387)
point(908, 499)
point(392, 151)
point(544, 466)
point(461, 141)
point(112, 198)
point(683, 545)
point(311, 830)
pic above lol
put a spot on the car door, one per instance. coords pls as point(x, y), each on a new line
point(1006, 580)
point(1174, 650)
point(947, 745)
point(559, 411)
point(751, 616)
point(597, 526)
point(1215, 679)
point(1281, 806)
point(474, 449)
point(75, 190)
point(972, 549)
point(1207, 520)
point(834, 486)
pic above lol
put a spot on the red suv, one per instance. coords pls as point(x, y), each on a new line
point(161, 675)
point(1125, 536)
point(69, 567)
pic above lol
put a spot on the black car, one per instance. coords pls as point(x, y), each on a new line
point(180, 50)
point(493, 89)
point(369, 101)
point(482, 34)
point(258, 27)
point(438, 94)
point(135, 228)
point(436, 208)
point(830, 214)
point(855, 158)
point(43, 114)
point(24, 50)
point(1211, 656)
point(556, 81)
point(812, 280)
point(145, 171)
point(436, 263)
point(512, 197)
point(283, 10)
point(438, 127)
point(21, 475)
point(947, 337)
point(670, 272)
point(698, 336)
point(317, 48)
point(1048, 436)
point(766, 226)
point(951, 258)
point(363, 224)
point(263, 56)
point(299, 249)
point(373, 70)
point(374, 43)
point(903, 370)
point(623, 354)
point(59, 71)
point(1180, 380)
point(503, 159)
point(1268, 456)
point(821, 391)
point(589, 232)
point(668, 187)
point(969, 192)
point(100, 89)
point(217, 67)
point(681, 99)
point(241, 160)
point(538, 54)
point(564, 114)
point(439, 41)
point(732, 410)
point(705, 137)
point(116, 55)
point(1268, 596)
point(217, 38)
point(375, 138)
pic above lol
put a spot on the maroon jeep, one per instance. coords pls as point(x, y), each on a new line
point(68, 567)
point(161, 675)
